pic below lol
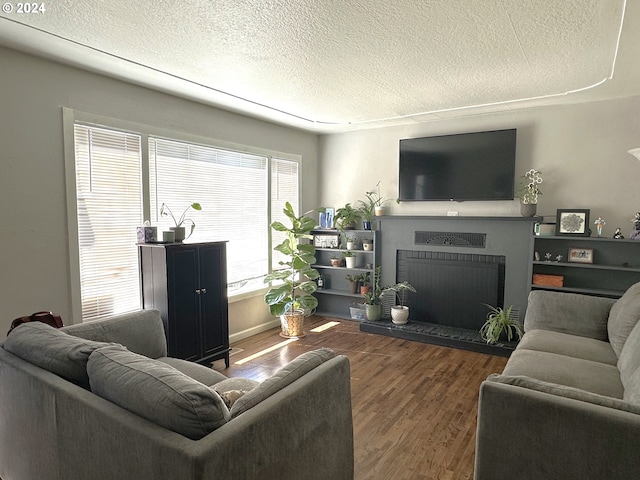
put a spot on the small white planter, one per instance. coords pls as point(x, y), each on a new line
point(399, 315)
point(367, 246)
point(350, 261)
point(379, 211)
point(351, 245)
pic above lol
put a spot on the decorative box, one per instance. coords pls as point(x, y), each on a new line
point(548, 280)
point(147, 234)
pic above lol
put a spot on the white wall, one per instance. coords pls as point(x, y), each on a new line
point(580, 149)
point(34, 258)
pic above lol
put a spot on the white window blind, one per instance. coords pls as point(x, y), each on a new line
point(109, 204)
point(284, 188)
point(232, 188)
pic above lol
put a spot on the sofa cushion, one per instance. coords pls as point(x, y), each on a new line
point(54, 350)
point(202, 374)
point(624, 315)
point(568, 392)
point(156, 391)
point(283, 377)
point(141, 332)
point(235, 383)
point(586, 375)
point(629, 360)
point(632, 388)
point(569, 345)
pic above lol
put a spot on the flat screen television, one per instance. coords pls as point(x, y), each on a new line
point(467, 166)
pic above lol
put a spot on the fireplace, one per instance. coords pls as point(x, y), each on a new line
point(453, 289)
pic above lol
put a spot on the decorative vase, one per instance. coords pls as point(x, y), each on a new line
point(180, 233)
point(374, 312)
point(292, 324)
point(366, 225)
point(528, 209)
point(351, 262)
point(399, 315)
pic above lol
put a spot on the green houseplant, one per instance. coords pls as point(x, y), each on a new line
point(400, 312)
point(499, 323)
point(291, 297)
point(366, 210)
point(346, 217)
point(375, 200)
point(373, 297)
point(529, 191)
point(179, 230)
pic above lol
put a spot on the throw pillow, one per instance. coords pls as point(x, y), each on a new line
point(283, 377)
point(53, 350)
point(623, 316)
point(156, 391)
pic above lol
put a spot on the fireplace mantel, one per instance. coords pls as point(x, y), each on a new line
point(511, 237)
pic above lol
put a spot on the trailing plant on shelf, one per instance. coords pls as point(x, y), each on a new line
point(499, 322)
point(165, 211)
point(295, 283)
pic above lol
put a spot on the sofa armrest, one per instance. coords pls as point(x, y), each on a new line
point(530, 434)
point(571, 313)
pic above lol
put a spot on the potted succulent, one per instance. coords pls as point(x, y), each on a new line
point(499, 325)
point(350, 259)
point(400, 312)
point(346, 217)
point(179, 230)
point(291, 298)
point(373, 298)
point(529, 191)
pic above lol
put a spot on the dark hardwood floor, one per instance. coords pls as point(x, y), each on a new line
point(414, 405)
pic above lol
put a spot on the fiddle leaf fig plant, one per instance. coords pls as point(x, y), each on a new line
point(294, 283)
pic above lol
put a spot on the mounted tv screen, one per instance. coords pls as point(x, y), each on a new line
point(467, 166)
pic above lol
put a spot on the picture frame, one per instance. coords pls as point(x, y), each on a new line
point(580, 255)
point(573, 222)
point(326, 218)
point(326, 241)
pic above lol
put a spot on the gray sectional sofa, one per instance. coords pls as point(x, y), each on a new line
point(567, 404)
point(102, 401)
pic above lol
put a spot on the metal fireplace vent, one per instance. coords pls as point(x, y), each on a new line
point(451, 239)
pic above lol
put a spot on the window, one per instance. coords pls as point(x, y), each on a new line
point(241, 193)
point(109, 204)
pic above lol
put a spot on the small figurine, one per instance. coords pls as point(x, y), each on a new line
point(599, 223)
point(558, 258)
point(618, 233)
point(635, 233)
point(547, 257)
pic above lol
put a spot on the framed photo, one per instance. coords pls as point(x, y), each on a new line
point(580, 255)
point(326, 218)
point(326, 241)
point(573, 222)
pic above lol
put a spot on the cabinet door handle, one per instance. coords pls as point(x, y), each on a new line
point(204, 290)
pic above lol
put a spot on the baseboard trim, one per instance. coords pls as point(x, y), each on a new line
point(250, 332)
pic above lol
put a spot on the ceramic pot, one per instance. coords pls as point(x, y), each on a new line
point(364, 289)
point(399, 315)
point(528, 209)
point(336, 262)
point(351, 262)
point(353, 287)
point(379, 211)
point(180, 233)
point(351, 245)
point(374, 312)
point(366, 225)
point(367, 246)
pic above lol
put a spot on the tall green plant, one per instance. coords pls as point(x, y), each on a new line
point(297, 275)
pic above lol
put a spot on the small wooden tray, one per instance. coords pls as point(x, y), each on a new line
point(548, 280)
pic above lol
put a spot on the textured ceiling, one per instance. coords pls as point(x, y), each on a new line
point(338, 64)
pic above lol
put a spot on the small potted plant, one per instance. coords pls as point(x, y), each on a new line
point(353, 282)
point(529, 191)
point(346, 217)
point(373, 298)
point(351, 242)
point(179, 230)
point(375, 199)
point(500, 324)
point(366, 210)
point(400, 312)
point(336, 261)
point(350, 259)
point(367, 244)
point(363, 279)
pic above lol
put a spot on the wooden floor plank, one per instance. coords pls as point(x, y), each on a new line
point(414, 404)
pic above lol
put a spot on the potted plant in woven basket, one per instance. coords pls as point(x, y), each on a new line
point(291, 297)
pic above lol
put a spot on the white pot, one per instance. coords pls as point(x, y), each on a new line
point(399, 315)
point(367, 246)
point(351, 245)
point(350, 261)
point(379, 211)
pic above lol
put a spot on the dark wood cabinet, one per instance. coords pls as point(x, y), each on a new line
point(187, 283)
